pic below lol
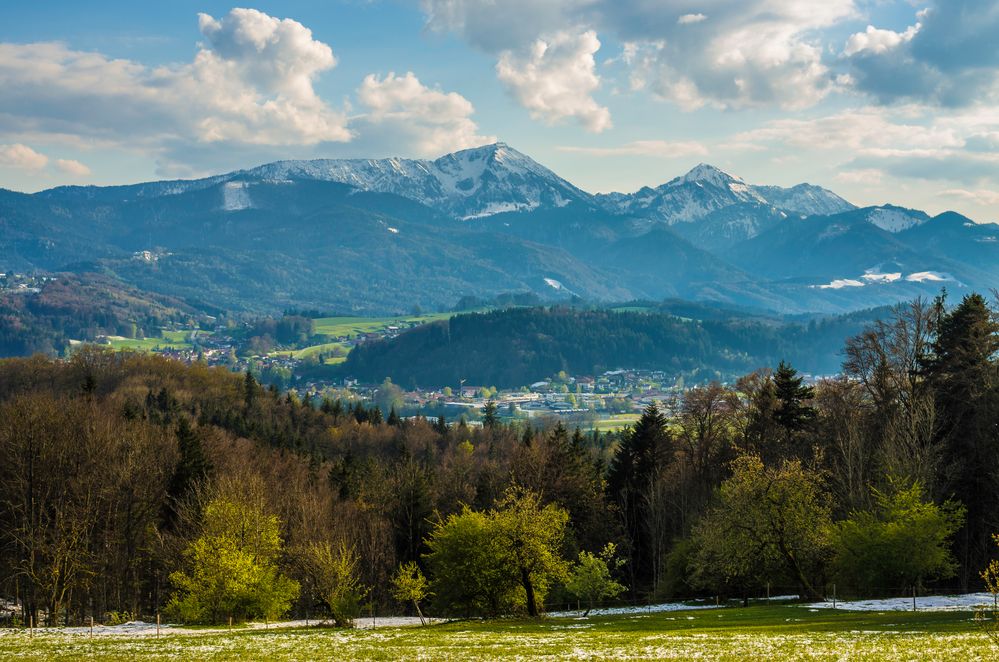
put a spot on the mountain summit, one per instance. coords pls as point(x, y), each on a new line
point(471, 183)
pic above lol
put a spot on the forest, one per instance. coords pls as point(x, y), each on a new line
point(516, 346)
point(131, 486)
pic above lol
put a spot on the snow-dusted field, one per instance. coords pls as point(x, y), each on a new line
point(144, 629)
point(637, 609)
point(968, 602)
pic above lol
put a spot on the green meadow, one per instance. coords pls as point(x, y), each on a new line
point(755, 633)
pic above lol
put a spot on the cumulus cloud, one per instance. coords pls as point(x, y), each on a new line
point(21, 157)
point(555, 79)
point(906, 141)
point(251, 82)
point(687, 19)
point(948, 58)
point(981, 197)
point(408, 115)
point(878, 41)
point(867, 176)
point(654, 148)
point(72, 167)
point(750, 52)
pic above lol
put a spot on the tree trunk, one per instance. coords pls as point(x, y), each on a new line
point(525, 579)
point(418, 612)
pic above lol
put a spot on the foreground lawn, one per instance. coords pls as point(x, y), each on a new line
point(764, 632)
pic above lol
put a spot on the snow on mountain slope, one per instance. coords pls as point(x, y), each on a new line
point(472, 183)
point(895, 219)
point(706, 189)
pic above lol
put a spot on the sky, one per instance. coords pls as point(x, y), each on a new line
point(879, 100)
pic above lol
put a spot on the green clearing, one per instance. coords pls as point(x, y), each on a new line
point(754, 633)
point(170, 340)
point(615, 422)
point(351, 327)
point(312, 350)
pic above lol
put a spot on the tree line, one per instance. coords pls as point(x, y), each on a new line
point(512, 347)
point(131, 485)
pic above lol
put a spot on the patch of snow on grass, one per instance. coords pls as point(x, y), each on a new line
point(636, 609)
point(968, 602)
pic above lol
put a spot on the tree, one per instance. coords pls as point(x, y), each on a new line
point(792, 415)
point(334, 572)
point(533, 535)
point(389, 396)
point(642, 451)
point(768, 522)
point(192, 468)
point(965, 375)
point(410, 586)
point(470, 567)
point(902, 542)
point(489, 415)
point(590, 579)
point(502, 560)
point(232, 566)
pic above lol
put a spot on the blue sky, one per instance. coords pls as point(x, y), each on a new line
point(879, 100)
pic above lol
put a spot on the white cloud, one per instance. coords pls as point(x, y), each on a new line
point(654, 148)
point(948, 58)
point(72, 167)
point(21, 157)
point(414, 118)
point(687, 19)
point(555, 79)
point(756, 53)
point(877, 41)
point(864, 177)
point(251, 83)
point(980, 197)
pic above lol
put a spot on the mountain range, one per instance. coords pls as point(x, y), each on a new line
point(376, 236)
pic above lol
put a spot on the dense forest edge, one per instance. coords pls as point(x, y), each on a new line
point(132, 485)
point(516, 346)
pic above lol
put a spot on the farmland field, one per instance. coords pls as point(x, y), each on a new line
point(615, 422)
point(351, 327)
point(758, 632)
point(170, 340)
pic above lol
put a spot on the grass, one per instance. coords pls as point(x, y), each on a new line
point(754, 633)
point(170, 340)
point(351, 327)
point(615, 422)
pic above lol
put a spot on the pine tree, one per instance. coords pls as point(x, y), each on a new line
point(640, 454)
point(963, 372)
point(489, 417)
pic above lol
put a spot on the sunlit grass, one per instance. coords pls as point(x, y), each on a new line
point(756, 633)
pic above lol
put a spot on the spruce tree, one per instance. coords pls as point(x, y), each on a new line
point(963, 372)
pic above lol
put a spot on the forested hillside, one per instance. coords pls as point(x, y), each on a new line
point(132, 484)
point(513, 347)
point(80, 307)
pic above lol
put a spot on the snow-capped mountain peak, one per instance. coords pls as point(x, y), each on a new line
point(895, 219)
point(703, 173)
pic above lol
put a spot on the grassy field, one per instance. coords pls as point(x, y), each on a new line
point(615, 422)
point(170, 340)
point(351, 327)
point(756, 633)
